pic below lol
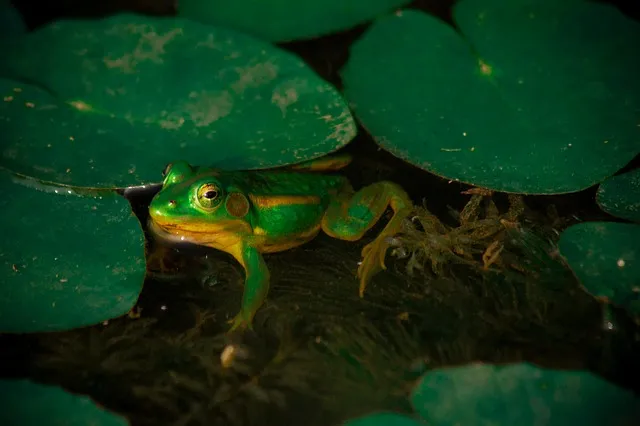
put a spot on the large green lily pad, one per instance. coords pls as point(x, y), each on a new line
point(154, 90)
point(26, 403)
point(620, 195)
point(48, 139)
point(285, 20)
point(530, 96)
point(521, 394)
point(67, 261)
point(605, 257)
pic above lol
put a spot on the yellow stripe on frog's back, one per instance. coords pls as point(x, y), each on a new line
point(267, 201)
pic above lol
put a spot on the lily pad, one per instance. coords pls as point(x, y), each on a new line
point(11, 23)
point(45, 138)
point(383, 419)
point(605, 257)
point(521, 394)
point(530, 96)
point(620, 195)
point(26, 403)
point(157, 89)
point(67, 261)
point(285, 20)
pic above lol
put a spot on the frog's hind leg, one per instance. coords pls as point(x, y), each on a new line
point(350, 216)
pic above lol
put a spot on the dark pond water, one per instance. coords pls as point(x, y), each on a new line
point(319, 353)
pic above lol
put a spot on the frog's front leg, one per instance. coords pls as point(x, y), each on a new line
point(351, 215)
point(256, 284)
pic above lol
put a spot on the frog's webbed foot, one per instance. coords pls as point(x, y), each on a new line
point(373, 256)
point(240, 323)
point(374, 253)
point(157, 259)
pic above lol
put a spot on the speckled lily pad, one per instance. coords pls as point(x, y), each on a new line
point(529, 96)
point(605, 257)
point(146, 91)
point(67, 260)
point(620, 195)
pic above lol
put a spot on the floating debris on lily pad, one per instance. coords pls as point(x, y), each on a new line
point(67, 261)
point(605, 257)
point(146, 91)
point(26, 403)
point(286, 20)
point(521, 394)
point(527, 96)
point(620, 196)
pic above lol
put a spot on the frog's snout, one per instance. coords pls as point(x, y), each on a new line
point(159, 210)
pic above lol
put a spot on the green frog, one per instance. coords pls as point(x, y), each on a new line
point(250, 213)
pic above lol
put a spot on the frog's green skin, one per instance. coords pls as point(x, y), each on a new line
point(248, 213)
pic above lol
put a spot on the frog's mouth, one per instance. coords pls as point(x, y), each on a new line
point(208, 234)
point(170, 232)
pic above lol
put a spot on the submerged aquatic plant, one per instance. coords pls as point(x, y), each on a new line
point(178, 376)
point(199, 376)
point(478, 238)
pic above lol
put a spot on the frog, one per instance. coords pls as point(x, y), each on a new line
point(252, 213)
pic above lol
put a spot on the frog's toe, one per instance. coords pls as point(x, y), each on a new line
point(373, 256)
point(240, 323)
point(376, 251)
point(157, 259)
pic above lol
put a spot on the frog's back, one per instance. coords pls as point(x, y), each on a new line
point(309, 177)
point(288, 206)
point(291, 183)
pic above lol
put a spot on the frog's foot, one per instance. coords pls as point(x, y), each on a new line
point(135, 312)
point(240, 322)
point(157, 259)
point(373, 256)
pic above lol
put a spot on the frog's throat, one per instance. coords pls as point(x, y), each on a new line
point(208, 234)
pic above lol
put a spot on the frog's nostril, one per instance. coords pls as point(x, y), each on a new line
point(172, 203)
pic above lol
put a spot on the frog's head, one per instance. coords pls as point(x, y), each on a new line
point(194, 204)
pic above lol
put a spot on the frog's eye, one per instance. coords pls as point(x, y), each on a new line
point(209, 196)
